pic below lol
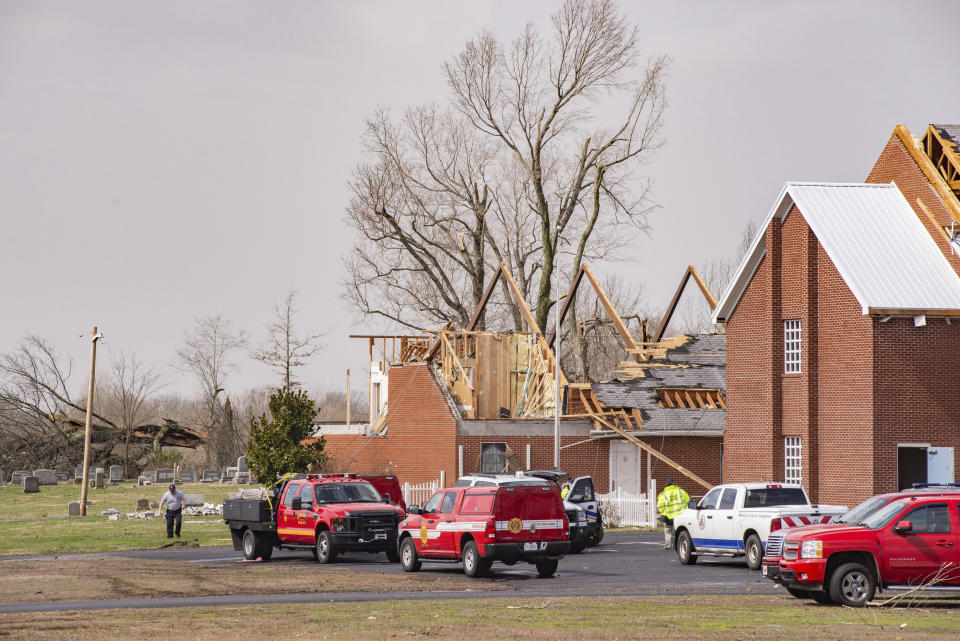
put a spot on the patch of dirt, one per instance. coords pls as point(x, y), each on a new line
point(110, 578)
point(194, 543)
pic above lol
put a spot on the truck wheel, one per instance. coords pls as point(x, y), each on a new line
point(852, 585)
point(326, 550)
point(685, 549)
point(473, 564)
point(251, 545)
point(754, 552)
point(597, 536)
point(392, 555)
point(409, 559)
point(266, 546)
point(547, 567)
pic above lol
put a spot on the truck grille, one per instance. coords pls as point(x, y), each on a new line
point(370, 524)
point(774, 545)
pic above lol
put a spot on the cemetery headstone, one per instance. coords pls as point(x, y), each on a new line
point(46, 477)
point(98, 479)
point(242, 464)
point(73, 508)
point(164, 476)
point(194, 500)
point(31, 484)
point(17, 476)
point(231, 474)
point(116, 473)
point(143, 504)
point(150, 476)
point(3, 479)
point(210, 476)
point(242, 477)
point(188, 476)
point(78, 474)
point(62, 477)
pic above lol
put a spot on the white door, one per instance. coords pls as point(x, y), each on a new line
point(625, 467)
point(940, 465)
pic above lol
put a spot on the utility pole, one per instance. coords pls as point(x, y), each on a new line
point(556, 360)
point(86, 436)
point(348, 398)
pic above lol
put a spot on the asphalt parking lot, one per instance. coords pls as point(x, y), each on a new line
point(626, 563)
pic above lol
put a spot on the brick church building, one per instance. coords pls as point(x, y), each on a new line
point(843, 330)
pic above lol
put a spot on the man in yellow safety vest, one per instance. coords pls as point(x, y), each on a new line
point(670, 503)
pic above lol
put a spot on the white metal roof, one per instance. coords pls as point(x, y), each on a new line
point(881, 249)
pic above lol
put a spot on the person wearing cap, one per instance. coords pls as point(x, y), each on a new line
point(670, 503)
point(174, 500)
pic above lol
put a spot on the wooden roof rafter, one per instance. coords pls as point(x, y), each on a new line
point(672, 307)
point(628, 341)
point(944, 156)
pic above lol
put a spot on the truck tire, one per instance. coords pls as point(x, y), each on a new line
point(597, 536)
point(251, 545)
point(409, 559)
point(326, 550)
point(266, 548)
point(852, 585)
point(473, 564)
point(547, 567)
point(392, 555)
point(685, 549)
point(754, 550)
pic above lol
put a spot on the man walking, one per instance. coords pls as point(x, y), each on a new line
point(670, 503)
point(174, 500)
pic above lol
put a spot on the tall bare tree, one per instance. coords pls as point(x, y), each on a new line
point(285, 349)
point(132, 387)
point(208, 354)
point(516, 165)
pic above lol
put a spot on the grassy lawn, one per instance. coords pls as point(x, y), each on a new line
point(557, 619)
point(43, 530)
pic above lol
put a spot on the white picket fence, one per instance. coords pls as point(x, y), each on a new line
point(419, 493)
point(633, 510)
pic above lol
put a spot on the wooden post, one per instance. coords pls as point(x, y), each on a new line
point(86, 435)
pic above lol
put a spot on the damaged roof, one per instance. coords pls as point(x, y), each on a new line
point(688, 362)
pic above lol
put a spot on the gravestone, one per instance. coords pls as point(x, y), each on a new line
point(17, 476)
point(31, 484)
point(164, 476)
point(73, 508)
point(193, 500)
point(98, 480)
point(143, 504)
point(242, 464)
point(62, 477)
point(188, 476)
point(116, 474)
point(150, 476)
point(143, 480)
point(46, 477)
point(3, 479)
point(231, 475)
point(78, 474)
point(210, 476)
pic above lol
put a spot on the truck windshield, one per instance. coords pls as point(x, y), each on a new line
point(346, 493)
point(884, 515)
point(862, 511)
point(772, 496)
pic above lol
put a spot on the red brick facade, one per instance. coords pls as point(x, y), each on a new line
point(865, 386)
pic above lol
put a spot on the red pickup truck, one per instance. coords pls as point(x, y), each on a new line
point(910, 541)
point(479, 525)
point(325, 513)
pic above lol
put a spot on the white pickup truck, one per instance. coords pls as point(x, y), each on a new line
point(736, 519)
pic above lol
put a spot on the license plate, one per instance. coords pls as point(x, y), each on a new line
point(380, 535)
point(529, 547)
point(764, 570)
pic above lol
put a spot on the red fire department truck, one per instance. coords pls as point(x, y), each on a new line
point(326, 513)
point(480, 525)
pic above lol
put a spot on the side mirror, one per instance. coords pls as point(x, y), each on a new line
point(903, 527)
point(413, 509)
point(691, 504)
point(386, 497)
point(296, 504)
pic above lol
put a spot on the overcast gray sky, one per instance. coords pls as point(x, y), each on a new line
point(167, 160)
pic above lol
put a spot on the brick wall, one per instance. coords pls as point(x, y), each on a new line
point(421, 434)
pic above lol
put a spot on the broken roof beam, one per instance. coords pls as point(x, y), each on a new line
point(628, 342)
point(672, 307)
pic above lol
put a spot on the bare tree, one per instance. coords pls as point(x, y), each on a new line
point(208, 354)
point(284, 350)
point(132, 387)
point(516, 166)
